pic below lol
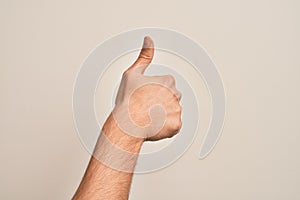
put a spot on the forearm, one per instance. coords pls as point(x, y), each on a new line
point(101, 181)
point(110, 170)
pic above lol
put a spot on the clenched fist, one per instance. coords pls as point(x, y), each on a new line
point(147, 106)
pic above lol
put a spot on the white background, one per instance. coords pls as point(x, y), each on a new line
point(255, 45)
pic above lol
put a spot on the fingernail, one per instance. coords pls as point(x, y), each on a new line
point(147, 42)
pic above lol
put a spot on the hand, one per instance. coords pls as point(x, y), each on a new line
point(147, 106)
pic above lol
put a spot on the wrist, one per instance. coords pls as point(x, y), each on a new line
point(116, 149)
point(119, 138)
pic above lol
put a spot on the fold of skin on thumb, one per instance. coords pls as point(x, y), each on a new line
point(145, 56)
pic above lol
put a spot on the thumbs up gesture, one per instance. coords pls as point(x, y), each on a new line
point(147, 106)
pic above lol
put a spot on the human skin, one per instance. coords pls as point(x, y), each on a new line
point(104, 179)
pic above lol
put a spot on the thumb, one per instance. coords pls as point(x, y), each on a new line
point(145, 57)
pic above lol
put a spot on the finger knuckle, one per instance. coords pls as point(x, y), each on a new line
point(177, 125)
point(170, 79)
point(178, 109)
point(178, 95)
point(126, 73)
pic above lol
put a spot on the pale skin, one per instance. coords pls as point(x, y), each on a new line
point(103, 182)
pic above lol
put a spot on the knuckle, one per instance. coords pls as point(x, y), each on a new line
point(170, 79)
point(178, 109)
point(178, 95)
point(177, 125)
point(126, 72)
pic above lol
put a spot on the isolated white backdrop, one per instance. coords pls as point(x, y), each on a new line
point(254, 43)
